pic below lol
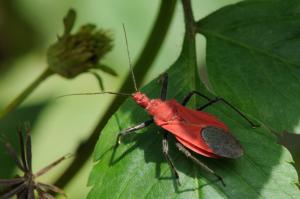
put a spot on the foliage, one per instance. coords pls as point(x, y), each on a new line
point(252, 61)
point(137, 169)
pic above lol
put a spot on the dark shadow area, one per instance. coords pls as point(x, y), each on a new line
point(17, 36)
point(8, 127)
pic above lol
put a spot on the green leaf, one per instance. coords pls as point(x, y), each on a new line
point(137, 168)
point(253, 59)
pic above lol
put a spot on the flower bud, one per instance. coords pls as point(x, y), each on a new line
point(76, 53)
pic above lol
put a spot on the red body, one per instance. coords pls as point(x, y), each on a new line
point(184, 123)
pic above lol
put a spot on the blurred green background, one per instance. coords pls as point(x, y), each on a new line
point(27, 27)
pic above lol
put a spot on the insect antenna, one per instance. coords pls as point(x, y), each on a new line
point(129, 60)
point(95, 93)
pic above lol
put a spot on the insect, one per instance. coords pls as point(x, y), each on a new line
point(194, 130)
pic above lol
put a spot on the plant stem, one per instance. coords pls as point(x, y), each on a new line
point(142, 66)
point(19, 99)
point(190, 32)
point(190, 24)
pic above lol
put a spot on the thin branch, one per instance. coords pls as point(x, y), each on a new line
point(19, 99)
point(9, 182)
point(22, 148)
point(13, 153)
point(51, 165)
point(51, 188)
point(28, 149)
point(14, 191)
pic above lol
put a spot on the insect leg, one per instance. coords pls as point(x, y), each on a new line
point(212, 101)
point(190, 94)
point(218, 99)
point(187, 153)
point(132, 130)
point(165, 149)
point(164, 89)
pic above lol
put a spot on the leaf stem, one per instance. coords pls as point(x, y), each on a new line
point(19, 99)
point(190, 24)
point(142, 66)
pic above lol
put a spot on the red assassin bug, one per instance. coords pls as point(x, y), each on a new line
point(196, 130)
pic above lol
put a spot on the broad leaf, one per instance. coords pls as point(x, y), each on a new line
point(137, 168)
point(253, 59)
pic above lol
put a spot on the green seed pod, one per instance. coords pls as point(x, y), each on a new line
point(77, 53)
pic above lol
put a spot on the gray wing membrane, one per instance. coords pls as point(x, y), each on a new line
point(222, 143)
